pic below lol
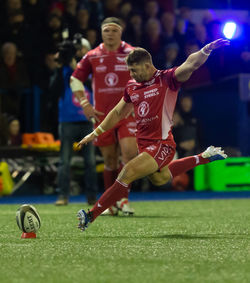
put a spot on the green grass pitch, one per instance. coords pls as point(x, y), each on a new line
point(174, 241)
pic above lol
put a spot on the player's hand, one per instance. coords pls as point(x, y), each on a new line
point(217, 44)
point(86, 140)
point(91, 113)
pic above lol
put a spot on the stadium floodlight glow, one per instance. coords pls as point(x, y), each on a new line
point(229, 29)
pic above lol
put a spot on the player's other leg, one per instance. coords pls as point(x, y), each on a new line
point(128, 152)
point(139, 167)
point(124, 137)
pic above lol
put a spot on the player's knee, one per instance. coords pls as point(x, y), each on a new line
point(161, 179)
point(128, 173)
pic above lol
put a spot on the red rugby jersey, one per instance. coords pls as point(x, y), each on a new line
point(154, 103)
point(110, 74)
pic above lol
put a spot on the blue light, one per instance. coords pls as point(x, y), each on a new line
point(229, 30)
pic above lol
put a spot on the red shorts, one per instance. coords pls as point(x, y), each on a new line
point(162, 151)
point(124, 129)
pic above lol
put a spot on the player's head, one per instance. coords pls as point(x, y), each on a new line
point(140, 64)
point(111, 31)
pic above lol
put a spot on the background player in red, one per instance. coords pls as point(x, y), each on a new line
point(153, 95)
point(110, 75)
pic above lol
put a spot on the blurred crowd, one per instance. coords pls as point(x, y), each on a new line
point(30, 31)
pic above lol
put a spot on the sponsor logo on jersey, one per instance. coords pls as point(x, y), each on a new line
point(134, 97)
point(143, 109)
point(111, 90)
point(151, 92)
point(164, 153)
point(101, 68)
point(120, 59)
point(121, 68)
point(147, 120)
point(111, 79)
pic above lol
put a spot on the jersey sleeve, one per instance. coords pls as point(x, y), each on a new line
point(126, 96)
point(83, 69)
point(170, 78)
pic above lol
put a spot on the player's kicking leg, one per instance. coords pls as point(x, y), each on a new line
point(145, 165)
point(179, 166)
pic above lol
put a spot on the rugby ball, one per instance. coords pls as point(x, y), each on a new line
point(28, 219)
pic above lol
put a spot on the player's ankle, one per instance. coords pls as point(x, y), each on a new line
point(202, 160)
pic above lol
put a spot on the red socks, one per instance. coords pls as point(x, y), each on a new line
point(119, 170)
point(109, 177)
point(116, 192)
point(182, 165)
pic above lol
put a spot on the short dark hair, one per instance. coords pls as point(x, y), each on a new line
point(138, 55)
point(112, 20)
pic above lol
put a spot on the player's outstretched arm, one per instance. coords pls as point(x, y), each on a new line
point(115, 115)
point(195, 60)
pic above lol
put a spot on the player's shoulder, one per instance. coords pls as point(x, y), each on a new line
point(166, 74)
point(168, 71)
point(132, 82)
point(96, 51)
point(126, 48)
point(163, 72)
point(132, 85)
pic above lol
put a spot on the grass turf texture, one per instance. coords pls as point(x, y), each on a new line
point(185, 241)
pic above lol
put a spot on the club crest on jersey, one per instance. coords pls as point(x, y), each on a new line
point(111, 79)
point(143, 109)
point(101, 60)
